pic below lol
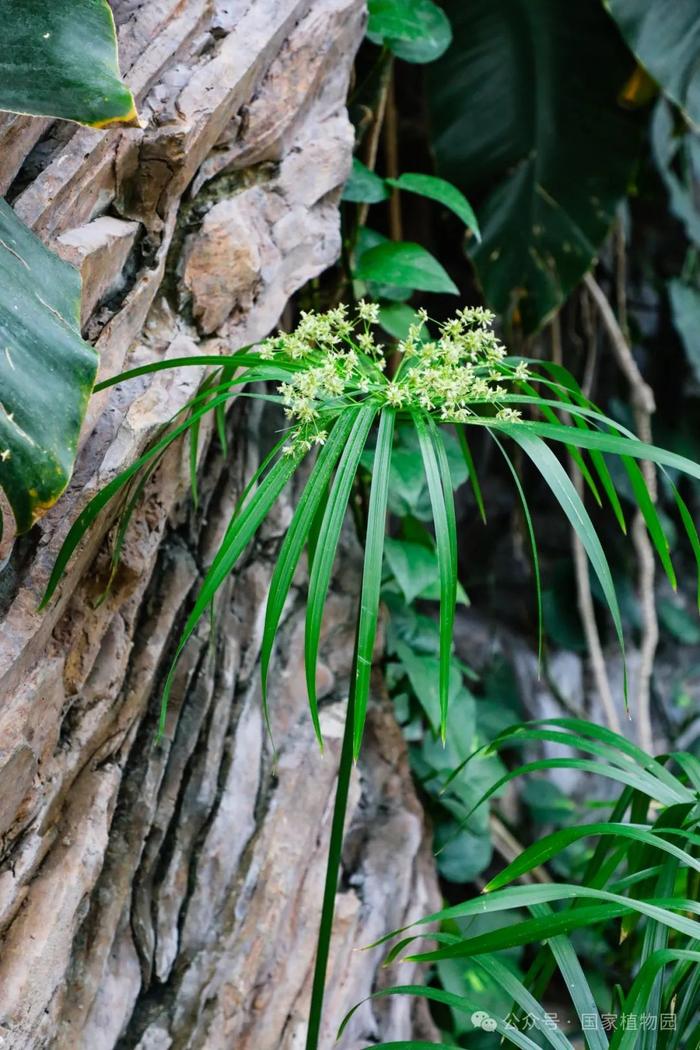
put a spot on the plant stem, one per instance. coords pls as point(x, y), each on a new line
point(335, 849)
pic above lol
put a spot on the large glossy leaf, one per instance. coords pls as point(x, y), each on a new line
point(525, 107)
point(46, 370)
point(59, 59)
point(666, 40)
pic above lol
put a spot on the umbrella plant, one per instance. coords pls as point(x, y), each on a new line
point(342, 395)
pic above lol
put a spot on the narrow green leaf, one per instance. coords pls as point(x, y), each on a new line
point(372, 571)
point(295, 538)
point(650, 776)
point(329, 535)
point(533, 548)
point(691, 531)
point(559, 482)
point(471, 470)
point(651, 518)
point(544, 849)
point(638, 995)
point(234, 543)
point(514, 987)
point(564, 955)
point(103, 497)
point(515, 897)
point(457, 1002)
point(241, 359)
point(437, 474)
point(611, 443)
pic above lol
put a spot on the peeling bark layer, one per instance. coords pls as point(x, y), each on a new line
point(164, 893)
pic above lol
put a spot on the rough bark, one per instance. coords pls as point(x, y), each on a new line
point(159, 893)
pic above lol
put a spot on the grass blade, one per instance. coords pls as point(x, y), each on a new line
point(651, 517)
point(691, 530)
point(295, 539)
point(533, 548)
point(442, 503)
point(542, 851)
point(234, 543)
point(471, 471)
point(372, 571)
point(329, 535)
point(457, 1002)
point(89, 513)
point(570, 502)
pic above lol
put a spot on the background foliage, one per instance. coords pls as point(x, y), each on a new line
point(572, 132)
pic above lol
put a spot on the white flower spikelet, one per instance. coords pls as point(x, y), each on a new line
point(335, 361)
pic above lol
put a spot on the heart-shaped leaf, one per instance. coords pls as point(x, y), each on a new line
point(46, 370)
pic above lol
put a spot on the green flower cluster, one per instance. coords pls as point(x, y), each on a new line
point(337, 361)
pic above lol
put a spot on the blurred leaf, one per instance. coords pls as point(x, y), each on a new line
point(408, 490)
point(46, 370)
point(462, 857)
point(414, 30)
point(666, 40)
point(443, 192)
point(414, 566)
point(60, 60)
point(514, 106)
point(685, 304)
point(424, 674)
point(364, 186)
point(415, 569)
point(406, 265)
point(397, 318)
point(677, 621)
point(547, 803)
point(677, 157)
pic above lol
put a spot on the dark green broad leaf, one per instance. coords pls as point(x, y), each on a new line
point(525, 109)
point(59, 59)
point(364, 186)
point(414, 30)
point(685, 304)
point(665, 37)
point(677, 157)
point(406, 265)
point(46, 371)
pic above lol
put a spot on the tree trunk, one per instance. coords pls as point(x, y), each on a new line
point(166, 893)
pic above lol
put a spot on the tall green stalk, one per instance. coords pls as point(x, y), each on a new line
point(335, 849)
